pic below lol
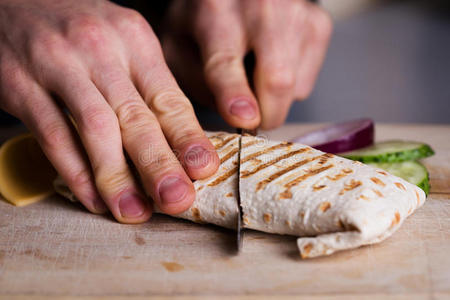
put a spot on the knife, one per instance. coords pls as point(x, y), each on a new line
point(239, 222)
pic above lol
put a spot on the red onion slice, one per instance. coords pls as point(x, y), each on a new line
point(340, 137)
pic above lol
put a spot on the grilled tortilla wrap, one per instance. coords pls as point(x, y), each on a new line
point(330, 202)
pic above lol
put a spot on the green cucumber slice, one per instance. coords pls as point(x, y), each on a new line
point(390, 151)
point(412, 171)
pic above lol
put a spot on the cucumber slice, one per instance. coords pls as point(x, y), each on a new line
point(390, 151)
point(412, 171)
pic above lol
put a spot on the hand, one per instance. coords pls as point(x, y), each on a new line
point(206, 40)
point(104, 65)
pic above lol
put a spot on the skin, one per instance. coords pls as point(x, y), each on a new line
point(207, 40)
point(103, 65)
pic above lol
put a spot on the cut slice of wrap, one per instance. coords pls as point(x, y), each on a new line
point(330, 202)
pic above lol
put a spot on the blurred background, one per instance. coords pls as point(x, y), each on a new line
point(388, 60)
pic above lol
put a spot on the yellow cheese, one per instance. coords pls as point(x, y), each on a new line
point(26, 176)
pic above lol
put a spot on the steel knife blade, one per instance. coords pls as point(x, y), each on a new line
point(239, 222)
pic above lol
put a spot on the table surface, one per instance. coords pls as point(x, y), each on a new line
point(55, 248)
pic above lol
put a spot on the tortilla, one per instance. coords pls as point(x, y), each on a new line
point(215, 200)
point(330, 202)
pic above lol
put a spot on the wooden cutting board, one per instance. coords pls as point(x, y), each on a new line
point(56, 248)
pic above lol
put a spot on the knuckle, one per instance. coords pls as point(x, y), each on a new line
point(170, 102)
point(220, 60)
point(187, 135)
point(48, 44)
point(97, 120)
point(280, 78)
point(133, 115)
point(131, 20)
point(105, 179)
point(152, 164)
point(79, 178)
point(181, 135)
point(53, 136)
point(87, 31)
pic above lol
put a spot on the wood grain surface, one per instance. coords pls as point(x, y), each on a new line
point(55, 248)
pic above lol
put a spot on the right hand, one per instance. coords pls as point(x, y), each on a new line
point(104, 64)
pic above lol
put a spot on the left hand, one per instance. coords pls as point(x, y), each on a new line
point(207, 40)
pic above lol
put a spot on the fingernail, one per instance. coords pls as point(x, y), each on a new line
point(131, 205)
point(172, 190)
point(197, 157)
point(243, 109)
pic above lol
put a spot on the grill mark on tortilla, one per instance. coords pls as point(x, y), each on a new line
point(196, 214)
point(325, 158)
point(382, 173)
point(337, 176)
point(264, 151)
point(341, 174)
point(280, 173)
point(229, 155)
point(353, 184)
point(200, 187)
point(305, 176)
point(224, 142)
point(272, 162)
point(363, 197)
point(396, 219)
point(223, 177)
point(308, 173)
point(306, 250)
point(285, 195)
point(377, 181)
point(230, 194)
point(400, 186)
point(216, 139)
point(418, 198)
point(379, 194)
point(325, 206)
point(267, 217)
point(252, 142)
point(318, 187)
point(216, 136)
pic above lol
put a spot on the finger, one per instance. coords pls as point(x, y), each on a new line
point(178, 122)
point(274, 78)
point(313, 50)
point(161, 173)
point(276, 45)
point(100, 134)
point(222, 44)
point(55, 135)
point(172, 109)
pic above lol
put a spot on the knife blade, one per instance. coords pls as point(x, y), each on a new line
point(239, 222)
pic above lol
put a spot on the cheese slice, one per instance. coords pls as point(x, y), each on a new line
point(26, 176)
